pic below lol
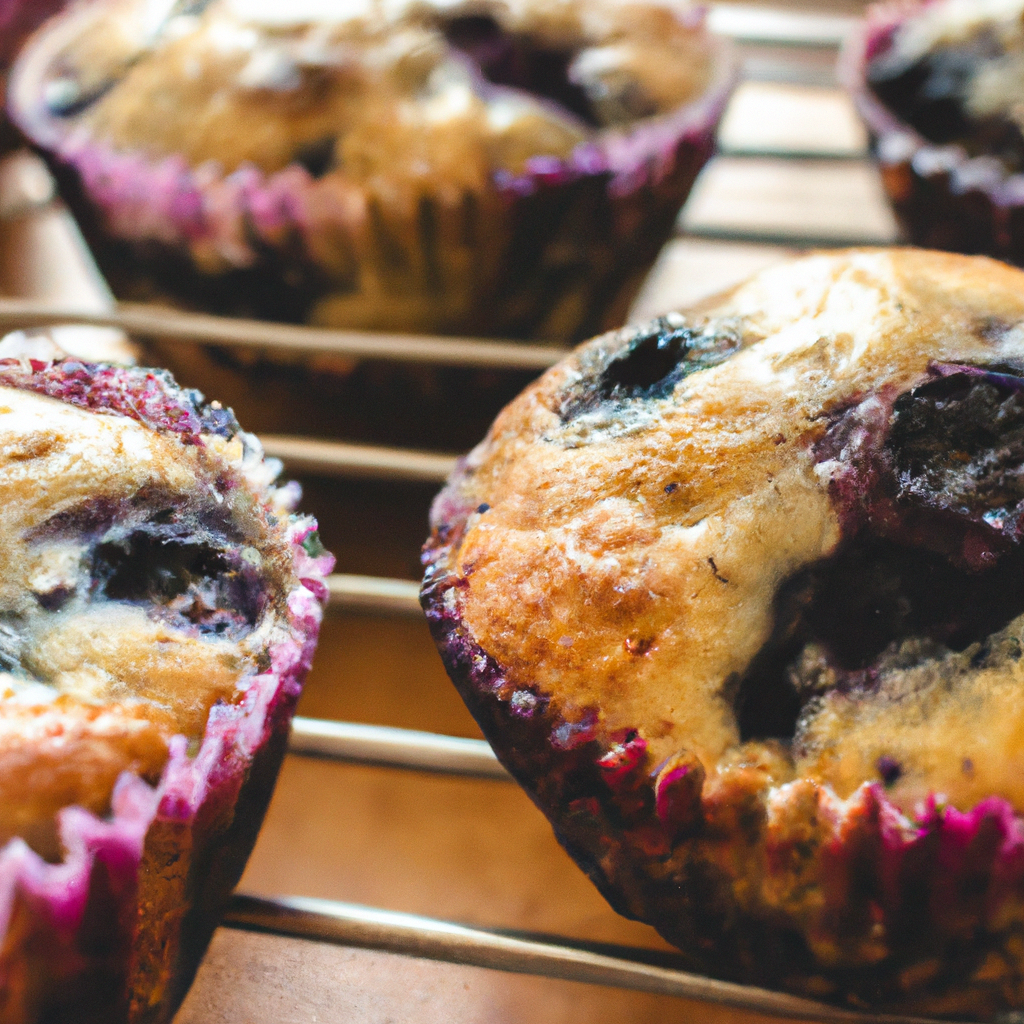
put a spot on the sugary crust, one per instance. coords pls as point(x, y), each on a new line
point(605, 569)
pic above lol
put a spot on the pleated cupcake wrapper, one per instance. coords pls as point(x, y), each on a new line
point(119, 925)
point(803, 905)
point(944, 198)
point(18, 19)
point(553, 252)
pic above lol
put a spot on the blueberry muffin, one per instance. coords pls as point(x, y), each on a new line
point(940, 84)
point(159, 606)
point(503, 167)
point(738, 597)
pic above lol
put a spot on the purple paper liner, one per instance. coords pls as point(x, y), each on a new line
point(946, 887)
point(557, 252)
point(943, 197)
point(851, 900)
point(18, 20)
point(114, 932)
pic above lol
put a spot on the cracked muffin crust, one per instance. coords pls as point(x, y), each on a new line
point(426, 165)
point(159, 605)
point(736, 596)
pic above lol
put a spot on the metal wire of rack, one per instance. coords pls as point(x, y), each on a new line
point(762, 197)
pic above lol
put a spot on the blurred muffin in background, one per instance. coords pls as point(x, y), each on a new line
point(940, 84)
point(506, 167)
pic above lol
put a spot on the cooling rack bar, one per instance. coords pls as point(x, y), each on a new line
point(714, 233)
point(336, 458)
point(172, 325)
point(374, 594)
point(370, 928)
point(394, 748)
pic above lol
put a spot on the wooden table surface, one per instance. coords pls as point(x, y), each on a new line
point(793, 173)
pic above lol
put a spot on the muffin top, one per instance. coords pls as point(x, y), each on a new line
point(777, 520)
point(147, 563)
point(954, 70)
point(374, 87)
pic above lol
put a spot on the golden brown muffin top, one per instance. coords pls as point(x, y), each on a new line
point(647, 513)
point(453, 91)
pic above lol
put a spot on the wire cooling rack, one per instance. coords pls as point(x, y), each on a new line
point(792, 173)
